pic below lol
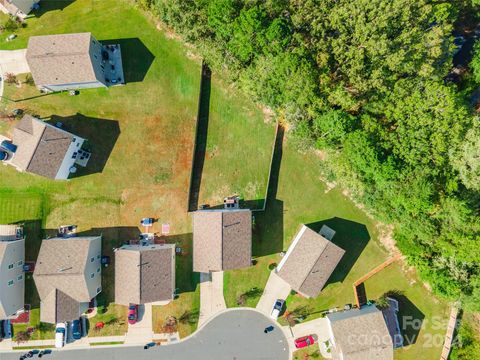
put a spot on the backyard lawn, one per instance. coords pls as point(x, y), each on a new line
point(302, 198)
point(141, 136)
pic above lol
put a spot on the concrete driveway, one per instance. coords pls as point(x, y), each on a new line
point(211, 296)
point(233, 334)
point(141, 332)
point(13, 61)
point(318, 327)
point(275, 289)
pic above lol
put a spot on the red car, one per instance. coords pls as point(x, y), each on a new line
point(132, 314)
point(304, 341)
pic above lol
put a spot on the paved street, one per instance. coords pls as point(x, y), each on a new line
point(235, 334)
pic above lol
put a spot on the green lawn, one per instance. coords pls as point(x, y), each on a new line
point(302, 198)
point(141, 136)
point(234, 140)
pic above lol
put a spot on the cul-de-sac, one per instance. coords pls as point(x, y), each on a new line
point(239, 179)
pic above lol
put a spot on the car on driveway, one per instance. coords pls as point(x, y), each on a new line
point(60, 335)
point(3, 155)
point(277, 309)
point(76, 329)
point(304, 341)
point(132, 314)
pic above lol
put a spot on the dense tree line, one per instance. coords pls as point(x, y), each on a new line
point(363, 80)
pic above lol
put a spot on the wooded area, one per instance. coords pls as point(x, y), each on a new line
point(367, 82)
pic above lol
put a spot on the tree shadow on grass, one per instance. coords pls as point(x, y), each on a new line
point(101, 136)
point(51, 5)
point(351, 237)
point(136, 58)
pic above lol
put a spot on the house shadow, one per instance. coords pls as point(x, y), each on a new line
point(51, 5)
point(186, 280)
point(101, 136)
point(136, 58)
point(351, 237)
point(410, 318)
point(268, 229)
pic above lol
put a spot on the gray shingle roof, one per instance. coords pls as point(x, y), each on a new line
point(60, 275)
point(41, 147)
point(61, 59)
point(222, 240)
point(309, 262)
point(144, 274)
point(361, 334)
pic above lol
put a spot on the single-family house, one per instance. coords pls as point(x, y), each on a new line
point(363, 334)
point(44, 149)
point(309, 261)
point(144, 273)
point(12, 281)
point(68, 275)
point(18, 8)
point(66, 62)
point(222, 239)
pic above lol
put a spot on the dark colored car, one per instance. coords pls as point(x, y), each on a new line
point(304, 341)
point(3, 156)
point(7, 329)
point(132, 314)
point(76, 329)
point(7, 145)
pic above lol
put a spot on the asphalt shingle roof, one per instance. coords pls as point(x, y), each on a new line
point(309, 262)
point(61, 59)
point(361, 334)
point(60, 269)
point(144, 274)
point(222, 240)
point(41, 148)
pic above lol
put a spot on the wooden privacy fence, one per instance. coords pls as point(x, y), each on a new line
point(452, 323)
point(359, 288)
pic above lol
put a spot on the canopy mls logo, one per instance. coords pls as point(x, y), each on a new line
point(432, 331)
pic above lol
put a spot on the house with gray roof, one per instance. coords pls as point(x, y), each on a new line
point(18, 8)
point(12, 282)
point(309, 261)
point(68, 275)
point(44, 149)
point(144, 273)
point(360, 334)
point(222, 239)
point(67, 62)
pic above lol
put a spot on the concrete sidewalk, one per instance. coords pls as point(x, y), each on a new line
point(211, 295)
point(276, 288)
point(142, 331)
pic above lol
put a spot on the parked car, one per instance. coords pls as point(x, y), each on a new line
point(60, 335)
point(7, 329)
point(8, 145)
point(76, 329)
point(3, 156)
point(132, 314)
point(304, 341)
point(277, 309)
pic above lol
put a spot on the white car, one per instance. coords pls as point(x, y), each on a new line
point(60, 335)
point(277, 309)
